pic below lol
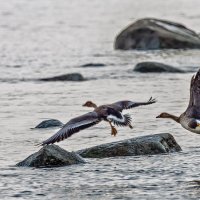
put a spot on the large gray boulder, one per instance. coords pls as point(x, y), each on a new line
point(51, 156)
point(155, 67)
point(65, 77)
point(150, 33)
point(150, 144)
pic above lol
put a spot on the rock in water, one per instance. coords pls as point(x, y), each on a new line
point(51, 156)
point(65, 77)
point(156, 67)
point(49, 123)
point(150, 144)
point(152, 33)
point(93, 65)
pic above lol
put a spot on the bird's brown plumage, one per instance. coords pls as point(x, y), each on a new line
point(110, 113)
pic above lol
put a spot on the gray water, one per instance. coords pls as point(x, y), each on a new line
point(48, 38)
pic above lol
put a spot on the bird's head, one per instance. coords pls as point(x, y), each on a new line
point(89, 104)
point(164, 115)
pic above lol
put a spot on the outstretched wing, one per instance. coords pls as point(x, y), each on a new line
point(193, 109)
point(117, 117)
point(195, 90)
point(191, 92)
point(121, 105)
point(73, 126)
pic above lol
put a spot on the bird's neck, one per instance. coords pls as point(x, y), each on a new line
point(94, 105)
point(175, 118)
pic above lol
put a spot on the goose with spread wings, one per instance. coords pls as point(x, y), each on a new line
point(190, 119)
point(111, 113)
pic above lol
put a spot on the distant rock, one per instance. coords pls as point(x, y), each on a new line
point(155, 67)
point(150, 33)
point(65, 77)
point(93, 65)
point(14, 66)
point(51, 156)
point(49, 123)
point(151, 144)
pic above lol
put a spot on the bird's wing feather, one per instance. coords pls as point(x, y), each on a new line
point(121, 105)
point(124, 121)
point(195, 87)
point(73, 126)
point(191, 92)
point(193, 109)
point(117, 118)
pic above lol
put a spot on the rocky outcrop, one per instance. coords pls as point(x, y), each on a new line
point(93, 65)
point(149, 33)
point(155, 67)
point(151, 144)
point(54, 156)
point(65, 77)
point(49, 123)
point(51, 156)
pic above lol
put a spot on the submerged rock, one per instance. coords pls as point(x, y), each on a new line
point(93, 65)
point(65, 77)
point(51, 156)
point(150, 144)
point(49, 123)
point(146, 67)
point(150, 33)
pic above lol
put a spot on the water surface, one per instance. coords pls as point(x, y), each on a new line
point(48, 38)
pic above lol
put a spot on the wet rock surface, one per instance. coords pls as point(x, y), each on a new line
point(155, 67)
point(49, 123)
point(150, 33)
point(65, 77)
point(51, 156)
point(150, 144)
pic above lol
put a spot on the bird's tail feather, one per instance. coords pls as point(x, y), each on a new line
point(126, 121)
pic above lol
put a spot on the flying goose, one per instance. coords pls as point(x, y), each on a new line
point(111, 113)
point(190, 119)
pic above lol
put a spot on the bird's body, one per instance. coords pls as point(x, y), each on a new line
point(191, 124)
point(190, 119)
point(111, 113)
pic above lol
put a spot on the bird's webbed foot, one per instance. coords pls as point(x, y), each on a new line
point(113, 129)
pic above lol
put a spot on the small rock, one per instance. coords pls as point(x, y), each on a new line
point(150, 33)
point(93, 65)
point(14, 66)
point(65, 77)
point(51, 156)
point(150, 144)
point(49, 123)
point(146, 67)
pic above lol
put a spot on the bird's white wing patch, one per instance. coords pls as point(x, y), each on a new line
point(124, 121)
point(114, 118)
point(198, 121)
